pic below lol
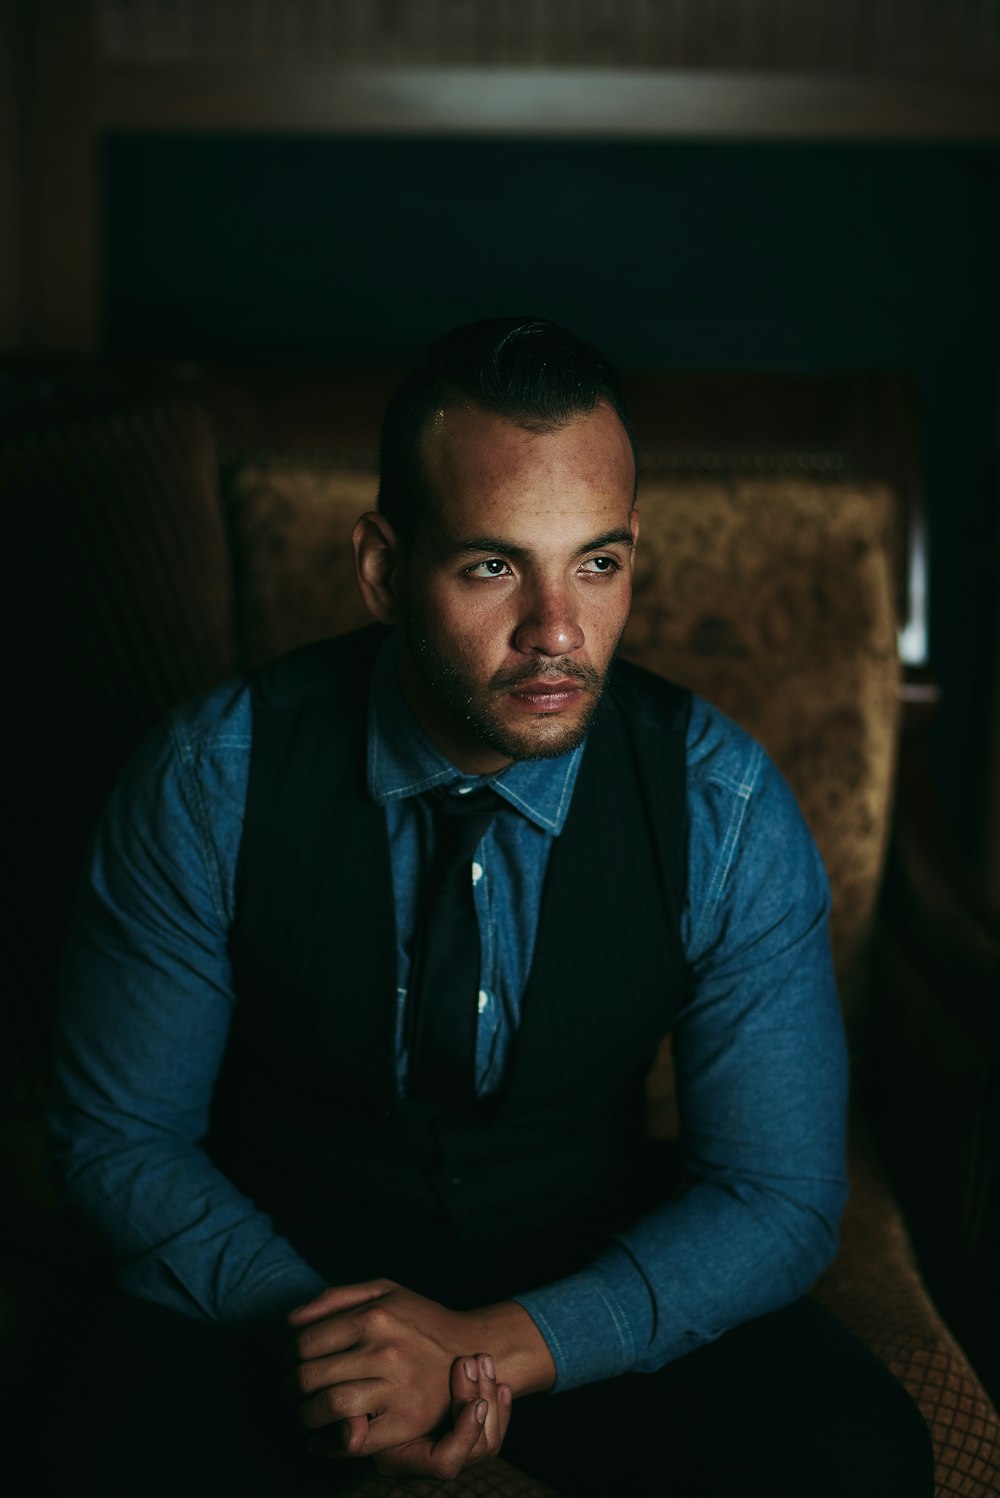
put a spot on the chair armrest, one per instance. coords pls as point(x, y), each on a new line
point(931, 1085)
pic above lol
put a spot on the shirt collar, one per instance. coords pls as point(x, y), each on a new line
point(403, 762)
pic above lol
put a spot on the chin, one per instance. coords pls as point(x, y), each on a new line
point(547, 740)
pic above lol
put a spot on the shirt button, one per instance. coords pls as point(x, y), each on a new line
point(463, 790)
point(477, 872)
point(484, 999)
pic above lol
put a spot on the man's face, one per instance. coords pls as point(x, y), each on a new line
point(517, 586)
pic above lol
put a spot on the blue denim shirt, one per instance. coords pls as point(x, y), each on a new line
point(759, 1051)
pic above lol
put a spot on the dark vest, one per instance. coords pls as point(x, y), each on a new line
point(306, 1118)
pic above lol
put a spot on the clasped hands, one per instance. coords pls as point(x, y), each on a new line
point(386, 1373)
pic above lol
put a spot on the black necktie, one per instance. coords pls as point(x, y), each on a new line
point(443, 999)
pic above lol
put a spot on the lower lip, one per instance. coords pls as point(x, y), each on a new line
point(548, 702)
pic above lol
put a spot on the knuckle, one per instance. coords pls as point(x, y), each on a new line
point(303, 1344)
point(331, 1401)
point(379, 1321)
point(308, 1378)
point(393, 1362)
point(321, 1409)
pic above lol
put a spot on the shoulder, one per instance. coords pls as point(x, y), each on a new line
point(648, 701)
point(750, 851)
point(213, 723)
point(322, 671)
point(723, 755)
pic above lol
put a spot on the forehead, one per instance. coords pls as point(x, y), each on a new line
point(482, 468)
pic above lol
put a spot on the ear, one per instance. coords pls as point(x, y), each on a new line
point(376, 559)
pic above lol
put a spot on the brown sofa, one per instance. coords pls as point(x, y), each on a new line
point(170, 526)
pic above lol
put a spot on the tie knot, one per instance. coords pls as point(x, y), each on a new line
point(478, 803)
point(463, 821)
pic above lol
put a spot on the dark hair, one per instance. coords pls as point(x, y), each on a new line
point(525, 368)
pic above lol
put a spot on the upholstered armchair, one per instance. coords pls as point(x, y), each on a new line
point(171, 542)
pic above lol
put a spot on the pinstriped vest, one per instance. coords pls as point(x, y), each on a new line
point(306, 1118)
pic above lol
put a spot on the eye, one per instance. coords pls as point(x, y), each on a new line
point(491, 567)
point(599, 566)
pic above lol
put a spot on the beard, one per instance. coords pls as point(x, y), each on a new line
point(478, 705)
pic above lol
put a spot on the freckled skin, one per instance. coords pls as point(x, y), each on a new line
point(516, 590)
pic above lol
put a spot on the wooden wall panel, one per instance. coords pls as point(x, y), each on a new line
point(891, 37)
point(679, 69)
point(11, 221)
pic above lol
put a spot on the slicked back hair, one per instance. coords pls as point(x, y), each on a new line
point(529, 370)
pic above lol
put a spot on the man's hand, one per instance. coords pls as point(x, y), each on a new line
point(480, 1414)
point(383, 1358)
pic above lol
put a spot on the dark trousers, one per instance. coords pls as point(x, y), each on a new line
point(143, 1401)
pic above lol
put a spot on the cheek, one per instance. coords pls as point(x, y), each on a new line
point(476, 622)
point(606, 616)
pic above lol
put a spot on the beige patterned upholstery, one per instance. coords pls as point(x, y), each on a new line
point(874, 1288)
point(772, 597)
point(491, 1479)
point(291, 526)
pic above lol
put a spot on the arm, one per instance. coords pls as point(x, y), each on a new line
point(145, 1018)
point(761, 1078)
point(144, 1024)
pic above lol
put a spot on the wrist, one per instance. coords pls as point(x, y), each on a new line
point(521, 1354)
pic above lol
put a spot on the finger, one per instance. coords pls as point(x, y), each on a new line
point(337, 1298)
point(310, 1376)
point(464, 1382)
point(505, 1399)
point(339, 1441)
point(491, 1433)
point(362, 1399)
point(333, 1334)
point(443, 1459)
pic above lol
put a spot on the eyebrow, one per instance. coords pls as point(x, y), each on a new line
point(495, 545)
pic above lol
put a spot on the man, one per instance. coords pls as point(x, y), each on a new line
point(375, 950)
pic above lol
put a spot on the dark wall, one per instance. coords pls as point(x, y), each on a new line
point(671, 255)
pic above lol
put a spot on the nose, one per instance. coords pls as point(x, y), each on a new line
point(550, 624)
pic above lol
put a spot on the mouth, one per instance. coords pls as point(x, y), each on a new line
point(547, 695)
